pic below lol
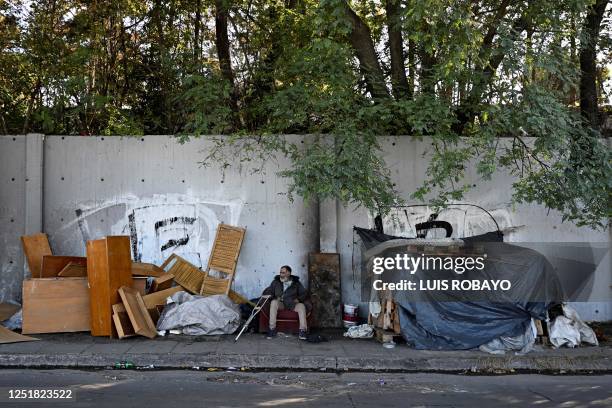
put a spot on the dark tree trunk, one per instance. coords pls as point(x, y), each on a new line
point(411, 67)
point(196, 32)
point(399, 82)
point(361, 40)
point(469, 107)
point(428, 61)
point(588, 61)
point(222, 41)
point(223, 51)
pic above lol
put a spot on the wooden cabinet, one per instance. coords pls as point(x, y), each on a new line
point(109, 267)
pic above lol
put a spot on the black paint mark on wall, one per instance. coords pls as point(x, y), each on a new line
point(171, 232)
point(181, 222)
point(174, 220)
point(81, 224)
point(134, 237)
point(175, 243)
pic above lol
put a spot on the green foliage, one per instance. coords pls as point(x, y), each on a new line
point(203, 104)
point(487, 76)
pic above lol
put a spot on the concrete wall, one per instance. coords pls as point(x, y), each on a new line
point(12, 214)
point(153, 189)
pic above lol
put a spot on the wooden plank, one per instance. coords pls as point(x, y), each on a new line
point(387, 315)
point(55, 305)
point(396, 321)
point(121, 322)
point(154, 311)
point(539, 329)
point(109, 267)
point(161, 283)
point(9, 336)
point(386, 336)
point(140, 284)
point(35, 247)
point(159, 298)
point(137, 312)
point(325, 291)
point(73, 270)
point(239, 299)
point(52, 265)
point(97, 271)
point(146, 269)
point(7, 310)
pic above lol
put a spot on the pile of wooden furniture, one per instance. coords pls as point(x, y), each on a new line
point(106, 292)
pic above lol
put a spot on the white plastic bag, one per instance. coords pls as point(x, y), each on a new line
point(587, 335)
point(569, 330)
point(364, 331)
point(563, 332)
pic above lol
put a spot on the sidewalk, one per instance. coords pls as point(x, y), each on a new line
point(255, 352)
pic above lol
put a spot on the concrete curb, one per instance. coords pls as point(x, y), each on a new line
point(476, 364)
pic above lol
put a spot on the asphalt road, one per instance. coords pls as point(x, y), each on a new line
point(185, 389)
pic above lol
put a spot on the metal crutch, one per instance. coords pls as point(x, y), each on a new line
point(254, 312)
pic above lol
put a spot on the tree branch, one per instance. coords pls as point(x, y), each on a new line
point(468, 108)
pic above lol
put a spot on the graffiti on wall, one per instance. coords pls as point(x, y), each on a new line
point(465, 220)
point(159, 225)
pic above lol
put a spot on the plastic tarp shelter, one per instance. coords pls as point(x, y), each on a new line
point(431, 320)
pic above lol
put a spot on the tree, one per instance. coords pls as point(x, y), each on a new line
point(478, 77)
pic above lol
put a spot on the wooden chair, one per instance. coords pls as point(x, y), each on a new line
point(186, 274)
point(223, 259)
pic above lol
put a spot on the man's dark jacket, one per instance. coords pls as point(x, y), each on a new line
point(294, 291)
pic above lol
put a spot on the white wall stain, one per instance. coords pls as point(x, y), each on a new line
point(163, 224)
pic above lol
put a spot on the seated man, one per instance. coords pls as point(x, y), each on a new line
point(287, 293)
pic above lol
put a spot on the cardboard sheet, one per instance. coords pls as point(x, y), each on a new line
point(9, 336)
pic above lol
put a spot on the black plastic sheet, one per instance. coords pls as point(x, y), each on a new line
point(430, 320)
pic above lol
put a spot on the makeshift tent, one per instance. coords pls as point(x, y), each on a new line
point(450, 320)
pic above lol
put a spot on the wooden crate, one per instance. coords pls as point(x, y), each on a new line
point(137, 312)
